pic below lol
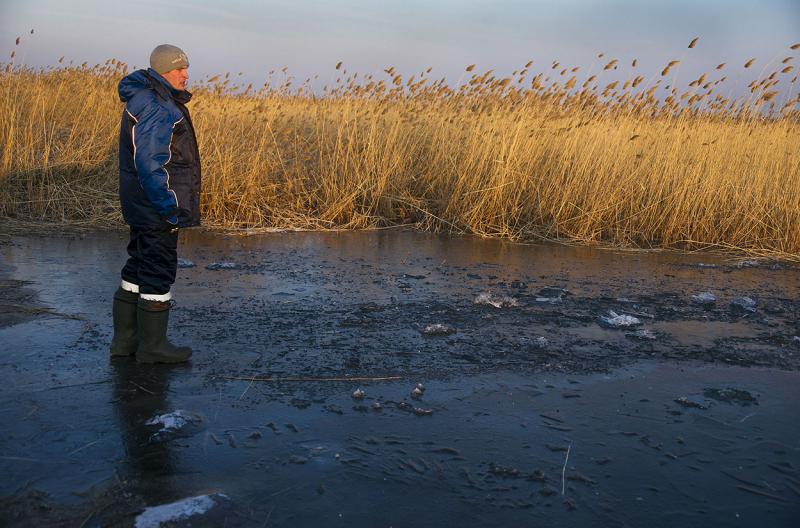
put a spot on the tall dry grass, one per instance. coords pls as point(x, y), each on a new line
point(567, 154)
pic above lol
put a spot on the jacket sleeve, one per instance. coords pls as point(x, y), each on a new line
point(152, 135)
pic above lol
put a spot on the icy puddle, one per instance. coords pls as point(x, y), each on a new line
point(395, 378)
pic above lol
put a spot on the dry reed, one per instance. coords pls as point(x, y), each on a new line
point(522, 157)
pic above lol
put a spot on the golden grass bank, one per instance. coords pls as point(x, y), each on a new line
point(557, 155)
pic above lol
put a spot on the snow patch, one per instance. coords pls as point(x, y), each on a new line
point(183, 509)
point(173, 422)
point(616, 320)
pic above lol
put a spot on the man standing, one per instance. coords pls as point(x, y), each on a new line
point(159, 188)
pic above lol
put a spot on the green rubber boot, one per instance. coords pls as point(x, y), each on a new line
point(154, 347)
point(125, 341)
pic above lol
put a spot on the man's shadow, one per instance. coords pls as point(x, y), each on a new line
point(139, 395)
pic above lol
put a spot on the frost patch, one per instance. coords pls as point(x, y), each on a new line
point(497, 302)
point(176, 511)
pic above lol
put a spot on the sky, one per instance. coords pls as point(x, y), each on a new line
point(311, 36)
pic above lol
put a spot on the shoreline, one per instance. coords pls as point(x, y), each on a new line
point(14, 227)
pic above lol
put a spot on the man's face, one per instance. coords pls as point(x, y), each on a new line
point(177, 78)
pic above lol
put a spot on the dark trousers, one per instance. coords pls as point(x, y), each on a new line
point(153, 260)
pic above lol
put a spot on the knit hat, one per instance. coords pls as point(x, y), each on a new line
point(167, 58)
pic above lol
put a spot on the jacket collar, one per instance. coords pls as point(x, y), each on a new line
point(162, 86)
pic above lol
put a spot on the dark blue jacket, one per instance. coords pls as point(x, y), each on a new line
point(159, 164)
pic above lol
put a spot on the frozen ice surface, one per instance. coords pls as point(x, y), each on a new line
point(616, 320)
point(167, 514)
point(497, 302)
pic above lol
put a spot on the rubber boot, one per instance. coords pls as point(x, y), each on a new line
point(154, 347)
point(125, 341)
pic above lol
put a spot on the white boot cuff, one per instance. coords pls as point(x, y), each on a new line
point(153, 297)
point(129, 286)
